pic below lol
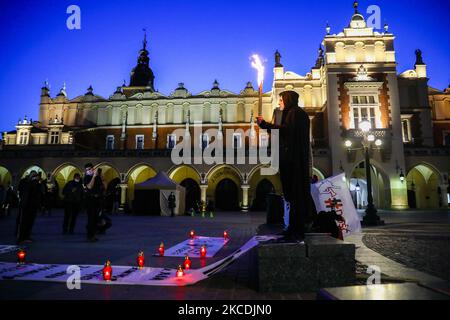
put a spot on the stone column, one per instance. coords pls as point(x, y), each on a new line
point(245, 188)
point(203, 188)
point(123, 196)
point(444, 197)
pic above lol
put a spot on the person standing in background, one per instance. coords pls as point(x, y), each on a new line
point(93, 191)
point(73, 196)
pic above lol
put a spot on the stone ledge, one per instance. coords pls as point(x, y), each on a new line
point(321, 262)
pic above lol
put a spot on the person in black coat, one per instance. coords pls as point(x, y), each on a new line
point(73, 196)
point(295, 162)
point(31, 197)
point(172, 204)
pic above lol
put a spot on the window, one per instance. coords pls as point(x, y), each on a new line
point(364, 108)
point(446, 141)
point(109, 142)
point(171, 141)
point(406, 130)
point(140, 142)
point(23, 138)
point(237, 141)
point(54, 137)
point(264, 140)
point(204, 138)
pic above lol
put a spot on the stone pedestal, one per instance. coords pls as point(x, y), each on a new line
point(245, 188)
point(321, 262)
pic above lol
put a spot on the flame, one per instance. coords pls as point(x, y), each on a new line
point(258, 65)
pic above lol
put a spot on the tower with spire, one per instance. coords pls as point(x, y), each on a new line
point(142, 75)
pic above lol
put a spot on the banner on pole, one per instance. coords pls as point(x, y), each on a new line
point(334, 194)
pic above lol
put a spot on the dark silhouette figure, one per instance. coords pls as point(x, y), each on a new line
point(73, 196)
point(295, 161)
point(31, 197)
point(172, 204)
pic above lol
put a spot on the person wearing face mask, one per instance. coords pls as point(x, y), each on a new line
point(93, 191)
point(73, 196)
point(31, 199)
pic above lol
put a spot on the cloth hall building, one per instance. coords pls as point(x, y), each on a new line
point(355, 77)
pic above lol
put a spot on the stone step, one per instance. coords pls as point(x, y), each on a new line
point(403, 291)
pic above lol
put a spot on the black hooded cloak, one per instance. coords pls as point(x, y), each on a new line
point(295, 161)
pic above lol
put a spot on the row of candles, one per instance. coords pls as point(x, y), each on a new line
point(107, 269)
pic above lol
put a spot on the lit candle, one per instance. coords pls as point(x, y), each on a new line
point(187, 263)
point(192, 234)
point(180, 272)
point(161, 249)
point(225, 234)
point(203, 251)
point(21, 256)
point(107, 271)
point(141, 260)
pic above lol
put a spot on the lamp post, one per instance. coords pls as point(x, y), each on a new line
point(371, 217)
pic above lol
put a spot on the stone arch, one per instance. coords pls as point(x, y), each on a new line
point(380, 186)
point(316, 171)
point(5, 177)
point(255, 178)
point(63, 174)
point(179, 173)
point(109, 172)
point(423, 184)
point(219, 173)
point(138, 174)
point(35, 168)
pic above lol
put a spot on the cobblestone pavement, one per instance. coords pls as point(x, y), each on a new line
point(417, 239)
point(422, 246)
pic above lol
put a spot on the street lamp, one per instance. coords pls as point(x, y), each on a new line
point(371, 218)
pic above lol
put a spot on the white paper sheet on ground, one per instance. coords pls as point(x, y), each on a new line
point(7, 249)
point(191, 247)
point(123, 275)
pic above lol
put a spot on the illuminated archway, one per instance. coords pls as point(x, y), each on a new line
point(5, 177)
point(423, 187)
point(35, 168)
point(63, 174)
point(232, 178)
point(380, 186)
point(180, 173)
point(318, 173)
point(257, 191)
point(109, 173)
point(138, 174)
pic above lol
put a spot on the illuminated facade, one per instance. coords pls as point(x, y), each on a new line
point(355, 78)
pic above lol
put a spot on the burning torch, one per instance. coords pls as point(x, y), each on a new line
point(257, 64)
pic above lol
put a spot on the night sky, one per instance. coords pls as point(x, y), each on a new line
point(193, 42)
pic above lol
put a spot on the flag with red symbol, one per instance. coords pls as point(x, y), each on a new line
point(334, 194)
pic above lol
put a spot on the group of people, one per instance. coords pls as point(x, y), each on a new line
point(87, 192)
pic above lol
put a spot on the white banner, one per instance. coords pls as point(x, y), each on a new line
point(123, 275)
point(334, 193)
point(7, 249)
point(191, 247)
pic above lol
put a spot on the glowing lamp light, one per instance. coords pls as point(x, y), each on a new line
point(203, 251)
point(187, 263)
point(402, 176)
point(161, 249)
point(365, 126)
point(348, 143)
point(180, 272)
point(192, 234)
point(378, 142)
point(21, 256)
point(371, 138)
point(141, 260)
point(225, 234)
point(107, 271)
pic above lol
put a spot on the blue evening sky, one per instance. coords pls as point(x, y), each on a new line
point(190, 41)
